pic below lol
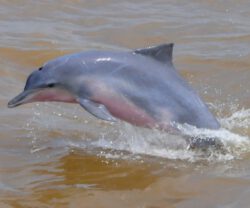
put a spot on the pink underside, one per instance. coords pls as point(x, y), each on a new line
point(117, 105)
point(123, 109)
point(53, 95)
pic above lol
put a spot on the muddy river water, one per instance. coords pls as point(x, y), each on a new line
point(57, 155)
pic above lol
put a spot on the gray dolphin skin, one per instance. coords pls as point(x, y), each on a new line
point(141, 87)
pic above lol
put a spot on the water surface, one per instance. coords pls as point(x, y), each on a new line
point(57, 155)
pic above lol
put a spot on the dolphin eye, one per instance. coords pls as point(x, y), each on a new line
point(51, 85)
point(40, 68)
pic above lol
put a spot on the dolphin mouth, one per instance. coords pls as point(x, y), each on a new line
point(22, 98)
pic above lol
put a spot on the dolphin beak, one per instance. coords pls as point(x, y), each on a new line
point(20, 99)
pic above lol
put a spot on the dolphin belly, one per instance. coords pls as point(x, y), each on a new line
point(121, 107)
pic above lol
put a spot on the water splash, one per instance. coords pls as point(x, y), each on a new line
point(112, 140)
point(238, 120)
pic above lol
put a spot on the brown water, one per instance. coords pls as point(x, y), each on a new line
point(56, 155)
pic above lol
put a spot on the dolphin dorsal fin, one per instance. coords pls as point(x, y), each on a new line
point(162, 53)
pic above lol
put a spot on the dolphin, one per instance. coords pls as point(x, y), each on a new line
point(141, 87)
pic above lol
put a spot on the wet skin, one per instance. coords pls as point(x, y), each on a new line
point(141, 87)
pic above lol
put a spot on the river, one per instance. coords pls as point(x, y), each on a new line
point(57, 155)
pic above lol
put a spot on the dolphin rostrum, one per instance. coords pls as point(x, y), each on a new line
point(140, 87)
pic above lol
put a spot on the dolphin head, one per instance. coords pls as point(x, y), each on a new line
point(45, 84)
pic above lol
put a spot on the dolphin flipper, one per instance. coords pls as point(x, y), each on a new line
point(96, 109)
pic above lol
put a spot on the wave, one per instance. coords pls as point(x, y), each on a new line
point(123, 140)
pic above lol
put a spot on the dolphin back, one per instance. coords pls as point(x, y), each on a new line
point(148, 80)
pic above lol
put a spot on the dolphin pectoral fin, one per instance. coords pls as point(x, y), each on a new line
point(97, 110)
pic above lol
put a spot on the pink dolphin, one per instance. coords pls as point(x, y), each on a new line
point(141, 87)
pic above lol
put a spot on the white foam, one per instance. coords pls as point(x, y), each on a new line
point(138, 141)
